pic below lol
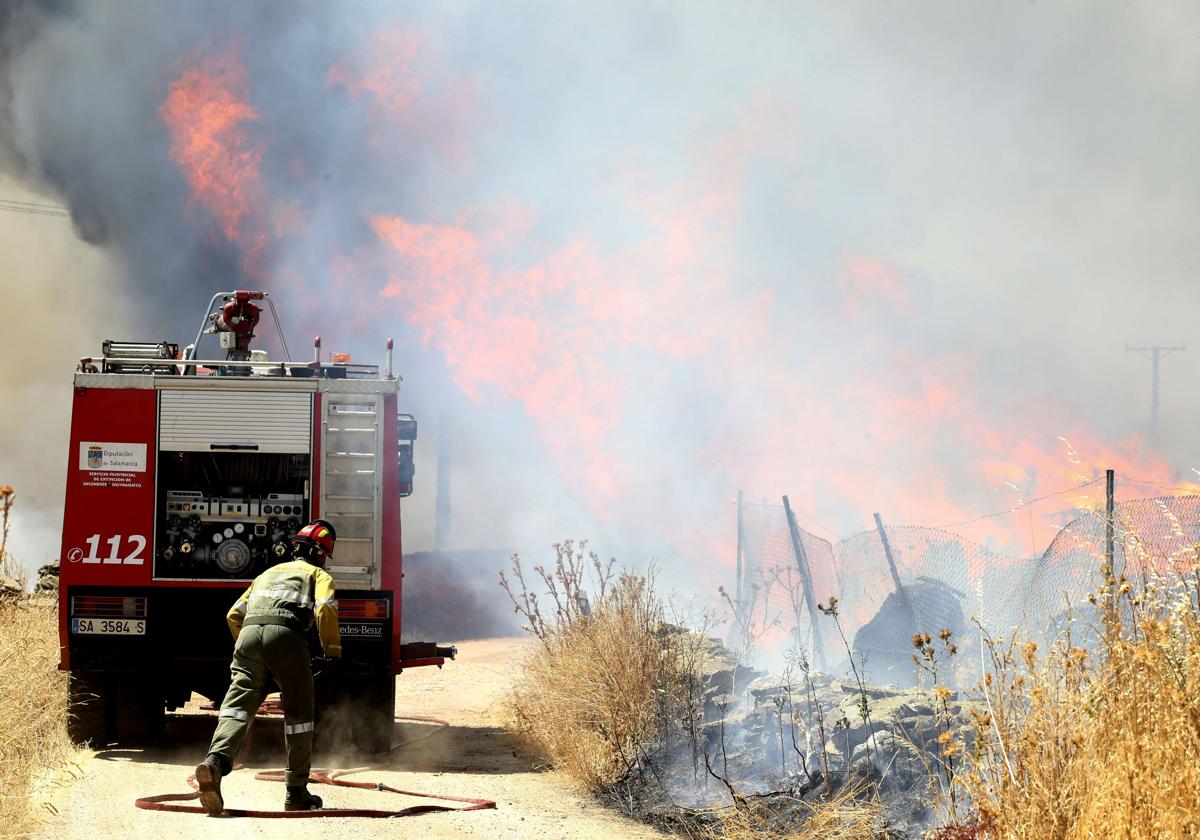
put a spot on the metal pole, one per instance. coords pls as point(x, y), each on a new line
point(1109, 553)
point(810, 600)
point(741, 525)
point(891, 561)
point(278, 327)
point(1109, 488)
point(441, 523)
point(1154, 359)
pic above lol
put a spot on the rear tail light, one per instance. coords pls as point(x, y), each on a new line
point(107, 606)
point(357, 609)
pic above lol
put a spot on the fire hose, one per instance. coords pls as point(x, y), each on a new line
point(169, 801)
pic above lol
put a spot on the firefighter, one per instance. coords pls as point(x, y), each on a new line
point(269, 623)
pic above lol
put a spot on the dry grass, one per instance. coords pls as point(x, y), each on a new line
point(849, 815)
point(34, 747)
point(603, 687)
point(1099, 742)
point(612, 681)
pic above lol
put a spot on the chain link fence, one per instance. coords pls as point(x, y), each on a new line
point(947, 583)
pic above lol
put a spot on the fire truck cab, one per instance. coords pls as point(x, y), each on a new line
point(186, 478)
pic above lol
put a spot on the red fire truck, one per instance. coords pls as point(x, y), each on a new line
point(186, 478)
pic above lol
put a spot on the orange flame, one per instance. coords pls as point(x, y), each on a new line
point(385, 76)
point(388, 77)
point(594, 341)
point(206, 114)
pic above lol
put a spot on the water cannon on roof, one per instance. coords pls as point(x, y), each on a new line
point(233, 317)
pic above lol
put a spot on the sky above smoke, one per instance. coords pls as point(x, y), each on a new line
point(878, 256)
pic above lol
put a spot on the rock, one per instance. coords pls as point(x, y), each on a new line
point(47, 582)
point(833, 749)
point(873, 692)
point(765, 688)
point(906, 704)
point(10, 588)
point(929, 605)
point(863, 770)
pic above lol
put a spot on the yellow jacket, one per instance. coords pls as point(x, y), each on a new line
point(295, 594)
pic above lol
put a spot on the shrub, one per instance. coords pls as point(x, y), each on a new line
point(608, 680)
point(1099, 741)
point(35, 746)
point(33, 692)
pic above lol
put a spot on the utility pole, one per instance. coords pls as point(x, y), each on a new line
point(445, 454)
point(741, 536)
point(1155, 353)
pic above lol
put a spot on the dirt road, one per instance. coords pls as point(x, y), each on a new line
point(472, 758)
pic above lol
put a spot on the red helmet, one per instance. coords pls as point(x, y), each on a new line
point(319, 534)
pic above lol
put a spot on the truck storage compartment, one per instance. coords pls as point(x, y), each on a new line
point(227, 515)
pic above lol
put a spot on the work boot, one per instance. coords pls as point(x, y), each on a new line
point(208, 779)
point(299, 799)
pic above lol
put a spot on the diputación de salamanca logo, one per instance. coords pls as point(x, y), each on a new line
point(125, 457)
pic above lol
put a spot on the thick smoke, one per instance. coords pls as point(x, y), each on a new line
point(872, 257)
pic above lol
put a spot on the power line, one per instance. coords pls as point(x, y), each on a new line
point(33, 203)
point(1021, 506)
point(1182, 489)
point(32, 208)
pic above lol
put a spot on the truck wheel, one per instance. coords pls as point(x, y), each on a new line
point(376, 707)
point(359, 710)
point(141, 711)
point(87, 709)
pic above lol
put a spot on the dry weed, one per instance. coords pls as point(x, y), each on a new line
point(8, 565)
point(34, 747)
point(603, 688)
point(612, 681)
point(1100, 741)
point(850, 815)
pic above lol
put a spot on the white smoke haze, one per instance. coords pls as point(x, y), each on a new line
point(61, 298)
point(644, 255)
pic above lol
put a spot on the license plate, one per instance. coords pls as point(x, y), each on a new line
point(109, 626)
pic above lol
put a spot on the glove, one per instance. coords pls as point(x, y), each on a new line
point(326, 665)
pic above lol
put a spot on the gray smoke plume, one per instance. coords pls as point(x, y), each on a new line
point(802, 248)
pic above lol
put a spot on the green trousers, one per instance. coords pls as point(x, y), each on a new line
point(284, 654)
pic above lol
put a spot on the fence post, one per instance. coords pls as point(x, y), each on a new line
point(1109, 487)
point(806, 579)
point(891, 561)
point(740, 549)
point(1110, 573)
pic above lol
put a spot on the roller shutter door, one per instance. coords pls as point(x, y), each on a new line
point(214, 421)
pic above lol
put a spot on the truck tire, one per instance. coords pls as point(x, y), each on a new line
point(375, 720)
point(141, 712)
point(88, 718)
point(358, 712)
